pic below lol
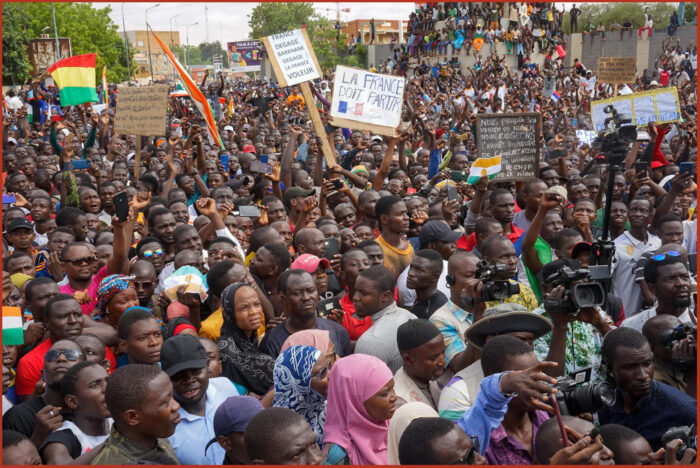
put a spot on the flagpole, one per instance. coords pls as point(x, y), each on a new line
point(55, 32)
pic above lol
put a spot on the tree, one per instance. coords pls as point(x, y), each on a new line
point(209, 49)
point(274, 18)
point(91, 30)
point(691, 12)
point(15, 63)
point(596, 13)
point(331, 48)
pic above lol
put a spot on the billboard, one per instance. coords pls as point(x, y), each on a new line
point(244, 56)
point(42, 53)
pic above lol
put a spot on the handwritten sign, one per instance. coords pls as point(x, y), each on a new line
point(516, 138)
point(292, 57)
point(367, 101)
point(617, 70)
point(659, 105)
point(141, 110)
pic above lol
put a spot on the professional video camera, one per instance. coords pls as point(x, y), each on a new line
point(575, 396)
point(688, 435)
point(577, 295)
point(496, 286)
point(617, 139)
point(674, 335)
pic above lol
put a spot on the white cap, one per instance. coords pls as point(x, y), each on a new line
point(228, 128)
point(12, 140)
point(654, 83)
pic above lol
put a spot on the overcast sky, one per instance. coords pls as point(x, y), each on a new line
point(229, 21)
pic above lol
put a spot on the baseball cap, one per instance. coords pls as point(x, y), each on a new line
point(249, 149)
point(20, 223)
point(295, 192)
point(376, 139)
point(579, 248)
point(12, 140)
point(434, 231)
point(228, 128)
point(654, 83)
point(182, 352)
point(309, 263)
point(233, 415)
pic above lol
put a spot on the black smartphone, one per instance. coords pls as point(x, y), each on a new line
point(640, 167)
point(249, 211)
point(686, 167)
point(452, 193)
point(330, 248)
point(337, 183)
point(121, 205)
point(327, 305)
point(260, 168)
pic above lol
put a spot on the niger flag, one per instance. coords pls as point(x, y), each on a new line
point(75, 77)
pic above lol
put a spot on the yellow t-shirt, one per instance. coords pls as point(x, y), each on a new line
point(396, 259)
point(211, 326)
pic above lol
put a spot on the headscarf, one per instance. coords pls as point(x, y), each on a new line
point(360, 169)
point(175, 326)
point(110, 286)
point(293, 390)
point(400, 421)
point(353, 380)
point(319, 339)
point(18, 279)
point(241, 360)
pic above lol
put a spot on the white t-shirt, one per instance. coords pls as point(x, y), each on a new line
point(637, 321)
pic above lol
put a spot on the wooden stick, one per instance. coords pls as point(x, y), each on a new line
point(328, 154)
point(137, 157)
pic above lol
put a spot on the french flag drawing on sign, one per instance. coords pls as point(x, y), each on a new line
point(342, 107)
point(358, 109)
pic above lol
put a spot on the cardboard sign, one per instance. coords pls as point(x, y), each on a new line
point(659, 105)
point(141, 110)
point(617, 70)
point(292, 56)
point(513, 136)
point(367, 101)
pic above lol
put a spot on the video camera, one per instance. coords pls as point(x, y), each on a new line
point(494, 287)
point(688, 435)
point(670, 337)
point(577, 295)
point(576, 396)
point(623, 133)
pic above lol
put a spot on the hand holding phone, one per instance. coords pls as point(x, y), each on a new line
point(121, 205)
point(686, 167)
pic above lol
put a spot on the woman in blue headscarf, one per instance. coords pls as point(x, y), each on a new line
point(301, 384)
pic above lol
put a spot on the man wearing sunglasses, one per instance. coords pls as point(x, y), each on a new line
point(668, 279)
point(38, 417)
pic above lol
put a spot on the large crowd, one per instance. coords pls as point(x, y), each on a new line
point(253, 303)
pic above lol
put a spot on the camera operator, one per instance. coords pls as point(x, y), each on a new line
point(675, 352)
point(500, 255)
point(582, 329)
point(668, 279)
point(649, 407)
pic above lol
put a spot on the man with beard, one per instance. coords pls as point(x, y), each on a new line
point(299, 297)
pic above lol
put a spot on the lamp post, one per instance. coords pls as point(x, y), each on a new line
point(148, 39)
point(55, 32)
point(171, 28)
point(126, 44)
point(187, 49)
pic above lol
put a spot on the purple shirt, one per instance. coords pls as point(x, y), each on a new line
point(506, 450)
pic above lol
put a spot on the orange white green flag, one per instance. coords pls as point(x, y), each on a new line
point(75, 78)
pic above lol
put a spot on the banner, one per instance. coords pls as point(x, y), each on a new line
point(244, 56)
point(292, 57)
point(659, 105)
point(362, 97)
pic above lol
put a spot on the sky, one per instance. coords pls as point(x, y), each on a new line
point(229, 21)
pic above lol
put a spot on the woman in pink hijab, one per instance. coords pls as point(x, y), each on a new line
point(361, 401)
point(319, 339)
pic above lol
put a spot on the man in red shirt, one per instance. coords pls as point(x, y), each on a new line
point(503, 209)
point(352, 263)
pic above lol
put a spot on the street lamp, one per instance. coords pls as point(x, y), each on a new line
point(187, 49)
point(171, 28)
point(148, 38)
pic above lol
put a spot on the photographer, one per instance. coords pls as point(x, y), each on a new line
point(577, 333)
point(649, 407)
point(675, 352)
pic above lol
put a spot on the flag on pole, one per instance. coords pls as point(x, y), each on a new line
point(105, 94)
point(12, 331)
point(75, 78)
point(555, 97)
point(195, 93)
point(484, 166)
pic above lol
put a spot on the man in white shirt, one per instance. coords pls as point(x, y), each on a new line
point(668, 278)
point(628, 248)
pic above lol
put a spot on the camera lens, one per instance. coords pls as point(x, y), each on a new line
point(589, 398)
point(588, 295)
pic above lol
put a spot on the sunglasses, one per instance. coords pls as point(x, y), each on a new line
point(143, 284)
point(468, 458)
point(53, 354)
point(323, 372)
point(153, 253)
point(80, 261)
point(661, 256)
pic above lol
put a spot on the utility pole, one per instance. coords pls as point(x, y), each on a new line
point(55, 32)
point(206, 22)
point(148, 38)
point(187, 50)
point(126, 44)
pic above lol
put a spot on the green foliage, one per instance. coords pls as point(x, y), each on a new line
point(691, 12)
point(90, 29)
point(16, 68)
point(209, 49)
point(274, 18)
point(596, 13)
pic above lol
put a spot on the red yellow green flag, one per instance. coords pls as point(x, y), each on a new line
point(75, 78)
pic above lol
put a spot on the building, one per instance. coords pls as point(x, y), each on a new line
point(161, 64)
point(385, 30)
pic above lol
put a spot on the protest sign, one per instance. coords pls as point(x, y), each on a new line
point(659, 105)
point(367, 101)
point(617, 70)
point(515, 137)
point(244, 56)
point(292, 57)
point(141, 110)
point(585, 136)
